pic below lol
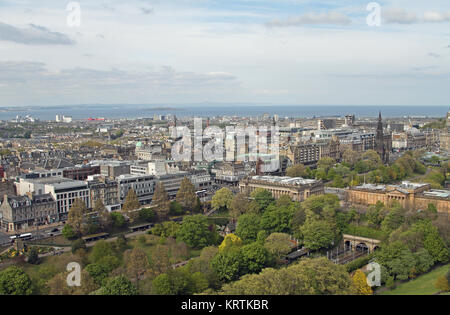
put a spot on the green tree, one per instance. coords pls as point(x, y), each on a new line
point(202, 264)
point(317, 234)
point(255, 257)
point(14, 281)
point(186, 195)
point(162, 285)
point(160, 259)
point(195, 231)
point(298, 219)
point(100, 250)
point(278, 244)
point(130, 204)
point(397, 259)
point(76, 216)
point(317, 276)
point(78, 244)
point(277, 219)
point(322, 207)
point(120, 245)
point(198, 206)
point(222, 199)
point(394, 218)
point(147, 215)
point(119, 285)
point(200, 281)
point(176, 208)
point(297, 170)
point(228, 264)
point(68, 232)
point(432, 241)
point(326, 163)
point(423, 261)
point(174, 282)
point(248, 226)
point(372, 158)
point(262, 198)
point(239, 205)
point(33, 256)
point(161, 201)
point(104, 217)
point(375, 215)
point(351, 157)
point(137, 264)
point(118, 219)
point(166, 229)
point(99, 273)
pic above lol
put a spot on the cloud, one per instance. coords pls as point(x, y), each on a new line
point(436, 17)
point(270, 92)
point(147, 11)
point(33, 35)
point(36, 77)
point(400, 16)
point(332, 17)
point(424, 68)
point(16, 72)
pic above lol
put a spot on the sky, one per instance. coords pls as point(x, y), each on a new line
point(278, 52)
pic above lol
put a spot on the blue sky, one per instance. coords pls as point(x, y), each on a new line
point(253, 51)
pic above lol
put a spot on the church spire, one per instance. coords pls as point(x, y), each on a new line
point(380, 141)
point(380, 123)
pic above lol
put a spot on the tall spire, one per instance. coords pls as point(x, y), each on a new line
point(380, 142)
point(380, 123)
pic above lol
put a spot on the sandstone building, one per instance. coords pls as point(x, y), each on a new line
point(297, 188)
point(412, 196)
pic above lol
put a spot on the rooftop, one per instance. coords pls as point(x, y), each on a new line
point(49, 180)
point(68, 184)
point(372, 187)
point(404, 185)
point(438, 193)
point(410, 185)
point(285, 180)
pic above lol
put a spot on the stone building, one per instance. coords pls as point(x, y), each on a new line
point(105, 189)
point(81, 172)
point(63, 190)
point(21, 212)
point(444, 139)
point(297, 188)
point(311, 153)
point(143, 186)
point(113, 169)
point(229, 172)
point(411, 196)
point(44, 208)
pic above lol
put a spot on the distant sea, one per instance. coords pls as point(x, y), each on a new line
point(148, 111)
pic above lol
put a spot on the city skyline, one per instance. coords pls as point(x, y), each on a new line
point(259, 52)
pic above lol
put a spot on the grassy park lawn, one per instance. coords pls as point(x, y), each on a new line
point(422, 285)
